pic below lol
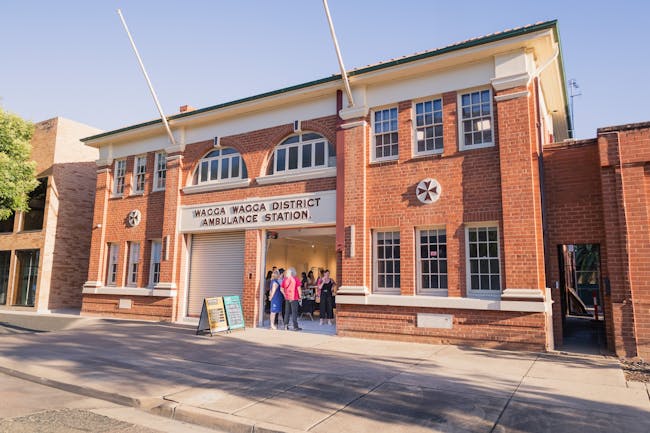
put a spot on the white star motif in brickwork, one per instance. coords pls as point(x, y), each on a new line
point(134, 217)
point(428, 191)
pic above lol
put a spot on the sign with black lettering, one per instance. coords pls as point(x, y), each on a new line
point(316, 208)
point(213, 316)
point(234, 312)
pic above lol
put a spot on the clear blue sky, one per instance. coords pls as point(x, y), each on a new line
point(73, 59)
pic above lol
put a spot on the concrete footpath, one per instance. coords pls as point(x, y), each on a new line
point(283, 381)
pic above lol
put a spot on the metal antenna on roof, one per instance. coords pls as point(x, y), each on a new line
point(344, 75)
point(575, 91)
point(146, 77)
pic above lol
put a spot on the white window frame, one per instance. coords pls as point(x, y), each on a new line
point(208, 162)
point(119, 180)
point(485, 294)
point(160, 171)
point(139, 174)
point(375, 264)
point(153, 272)
point(134, 264)
point(420, 289)
point(461, 132)
point(328, 161)
point(373, 153)
point(113, 263)
point(441, 124)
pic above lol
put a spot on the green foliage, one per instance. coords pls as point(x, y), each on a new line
point(17, 172)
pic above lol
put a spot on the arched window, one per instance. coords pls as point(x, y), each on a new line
point(220, 165)
point(306, 151)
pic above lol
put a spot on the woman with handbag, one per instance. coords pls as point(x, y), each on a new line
point(326, 289)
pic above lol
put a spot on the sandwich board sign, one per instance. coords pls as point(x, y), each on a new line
point(213, 316)
point(234, 312)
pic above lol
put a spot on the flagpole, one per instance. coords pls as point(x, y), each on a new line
point(144, 71)
point(344, 75)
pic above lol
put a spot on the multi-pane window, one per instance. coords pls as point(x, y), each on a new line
point(483, 260)
point(154, 269)
point(476, 119)
point(139, 170)
point(220, 165)
point(428, 126)
point(385, 134)
point(134, 263)
point(302, 152)
point(33, 219)
point(387, 262)
point(160, 174)
point(120, 174)
point(111, 273)
point(432, 267)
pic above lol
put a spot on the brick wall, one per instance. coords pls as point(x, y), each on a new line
point(574, 209)
point(470, 327)
point(160, 211)
point(74, 184)
point(472, 190)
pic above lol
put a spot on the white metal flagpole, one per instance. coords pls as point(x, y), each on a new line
point(144, 71)
point(344, 75)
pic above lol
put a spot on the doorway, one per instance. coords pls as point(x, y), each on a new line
point(27, 277)
point(307, 250)
point(581, 294)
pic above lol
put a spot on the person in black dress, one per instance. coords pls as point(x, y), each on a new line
point(326, 289)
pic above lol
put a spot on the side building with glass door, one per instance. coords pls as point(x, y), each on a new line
point(44, 251)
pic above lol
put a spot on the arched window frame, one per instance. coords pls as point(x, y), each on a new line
point(306, 155)
point(209, 172)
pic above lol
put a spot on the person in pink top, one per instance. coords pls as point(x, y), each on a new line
point(291, 290)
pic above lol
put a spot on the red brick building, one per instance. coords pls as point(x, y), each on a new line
point(440, 200)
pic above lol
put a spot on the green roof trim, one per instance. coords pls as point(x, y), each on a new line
point(383, 65)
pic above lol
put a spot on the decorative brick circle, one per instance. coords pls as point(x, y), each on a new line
point(428, 191)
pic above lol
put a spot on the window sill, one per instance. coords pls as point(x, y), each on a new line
point(157, 190)
point(139, 193)
point(128, 291)
point(425, 154)
point(113, 196)
point(383, 160)
point(445, 302)
point(294, 177)
point(464, 148)
point(217, 186)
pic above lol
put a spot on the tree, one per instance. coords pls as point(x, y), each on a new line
point(17, 172)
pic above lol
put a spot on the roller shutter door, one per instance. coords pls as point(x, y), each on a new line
point(216, 268)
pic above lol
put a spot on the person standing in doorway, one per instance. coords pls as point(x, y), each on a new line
point(276, 298)
point(291, 290)
point(326, 290)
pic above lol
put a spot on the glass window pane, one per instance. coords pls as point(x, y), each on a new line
point(293, 158)
point(443, 281)
point(485, 282)
point(319, 157)
point(281, 159)
point(204, 171)
point(306, 155)
point(225, 168)
point(474, 283)
point(495, 284)
point(235, 167)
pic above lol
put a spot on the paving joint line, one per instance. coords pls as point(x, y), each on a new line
point(496, 422)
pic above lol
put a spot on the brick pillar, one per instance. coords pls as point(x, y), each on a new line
point(625, 177)
point(98, 249)
point(172, 239)
point(252, 265)
point(355, 261)
point(523, 257)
